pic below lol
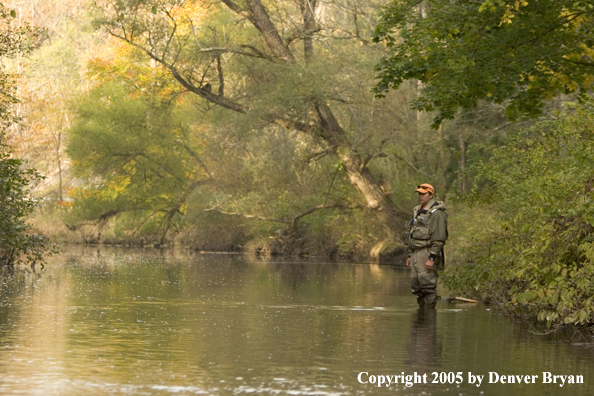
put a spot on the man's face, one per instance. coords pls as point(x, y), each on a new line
point(424, 198)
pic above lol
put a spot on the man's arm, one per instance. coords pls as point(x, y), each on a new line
point(439, 232)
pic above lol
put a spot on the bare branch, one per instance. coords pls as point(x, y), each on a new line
point(219, 66)
point(247, 216)
point(200, 91)
point(222, 50)
point(411, 165)
point(320, 207)
point(300, 34)
point(173, 31)
point(259, 53)
point(237, 9)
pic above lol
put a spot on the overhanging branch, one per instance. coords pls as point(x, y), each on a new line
point(321, 207)
point(247, 216)
point(200, 91)
point(293, 222)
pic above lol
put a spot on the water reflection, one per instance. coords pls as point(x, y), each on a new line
point(110, 322)
point(424, 351)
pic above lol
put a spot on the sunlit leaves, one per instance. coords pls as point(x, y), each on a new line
point(15, 39)
point(130, 141)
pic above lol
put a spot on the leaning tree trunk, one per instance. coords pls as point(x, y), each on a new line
point(376, 199)
point(326, 126)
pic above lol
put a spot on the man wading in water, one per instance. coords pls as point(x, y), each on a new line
point(426, 233)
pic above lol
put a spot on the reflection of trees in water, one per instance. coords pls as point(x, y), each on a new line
point(375, 283)
point(295, 275)
point(17, 279)
point(424, 352)
point(114, 262)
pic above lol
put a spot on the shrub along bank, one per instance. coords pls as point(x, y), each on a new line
point(536, 260)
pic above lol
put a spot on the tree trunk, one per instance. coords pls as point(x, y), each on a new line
point(329, 129)
point(326, 126)
point(462, 165)
point(376, 199)
point(262, 22)
point(309, 26)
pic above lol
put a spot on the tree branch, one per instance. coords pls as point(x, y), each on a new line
point(259, 53)
point(320, 207)
point(247, 216)
point(589, 64)
point(200, 91)
point(300, 33)
point(409, 164)
point(238, 10)
point(221, 50)
point(219, 66)
point(292, 124)
point(258, 16)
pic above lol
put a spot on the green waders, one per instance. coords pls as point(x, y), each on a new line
point(423, 281)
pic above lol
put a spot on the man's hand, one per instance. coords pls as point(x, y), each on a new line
point(408, 262)
point(429, 264)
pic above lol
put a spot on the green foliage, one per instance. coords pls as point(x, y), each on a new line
point(17, 244)
point(134, 147)
point(538, 260)
point(263, 174)
point(520, 53)
point(263, 168)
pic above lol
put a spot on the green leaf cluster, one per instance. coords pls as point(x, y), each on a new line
point(519, 53)
point(132, 143)
point(538, 261)
point(17, 243)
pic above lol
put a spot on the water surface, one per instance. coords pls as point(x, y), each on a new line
point(100, 321)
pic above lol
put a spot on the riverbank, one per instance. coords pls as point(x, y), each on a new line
point(304, 241)
point(470, 271)
point(465, 225)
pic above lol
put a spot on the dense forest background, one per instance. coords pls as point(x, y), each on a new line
point(304, 126)
point(169, 122)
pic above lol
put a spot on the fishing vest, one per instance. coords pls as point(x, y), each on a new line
point(418, 233)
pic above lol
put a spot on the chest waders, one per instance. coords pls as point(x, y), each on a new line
point(425, 236)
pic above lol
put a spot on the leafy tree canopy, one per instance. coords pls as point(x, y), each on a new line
point(291, 64)
point(16, 243)
point(517, 52)
point(14, 40)
point(131, 138)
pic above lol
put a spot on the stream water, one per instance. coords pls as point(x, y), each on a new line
point(99, 321)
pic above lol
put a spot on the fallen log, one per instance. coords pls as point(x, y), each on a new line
point(462, 299)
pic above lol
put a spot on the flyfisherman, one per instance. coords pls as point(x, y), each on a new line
point(426, 233)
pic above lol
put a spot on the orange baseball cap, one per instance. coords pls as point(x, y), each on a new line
point(425, 188)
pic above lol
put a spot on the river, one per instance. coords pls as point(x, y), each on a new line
point(109, 321)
